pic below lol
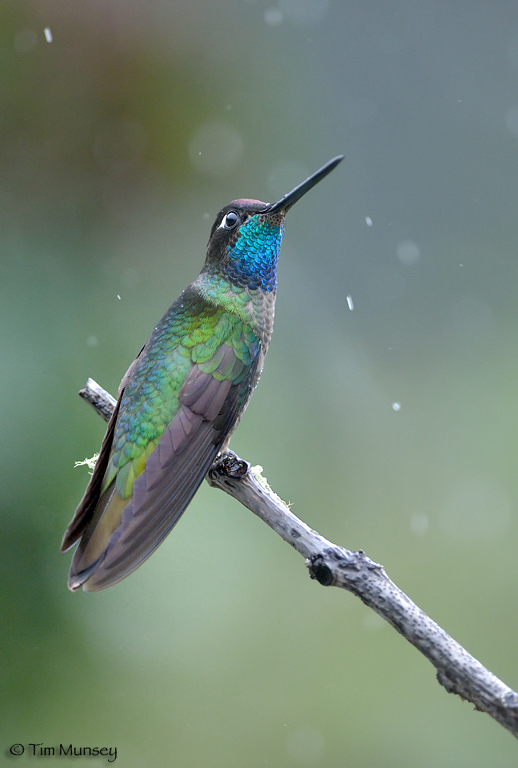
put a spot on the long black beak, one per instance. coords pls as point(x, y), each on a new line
point(291, 198)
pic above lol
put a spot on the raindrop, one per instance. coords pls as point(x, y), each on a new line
point(273, 17)
point(408, 252)
point(368, 221)
point(419, 523)
point(48, 35)
point(350, 303)
point(396, 406)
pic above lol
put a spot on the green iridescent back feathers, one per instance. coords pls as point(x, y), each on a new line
point(187, 335)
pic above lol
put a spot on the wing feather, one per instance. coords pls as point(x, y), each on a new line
point(210, 404)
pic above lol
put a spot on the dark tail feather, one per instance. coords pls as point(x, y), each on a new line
point(86, 508)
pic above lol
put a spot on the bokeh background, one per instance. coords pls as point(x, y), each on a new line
point(393, 426)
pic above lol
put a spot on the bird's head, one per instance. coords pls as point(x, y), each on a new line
point(246, 237)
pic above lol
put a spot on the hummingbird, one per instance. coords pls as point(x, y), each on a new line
point(183, 396)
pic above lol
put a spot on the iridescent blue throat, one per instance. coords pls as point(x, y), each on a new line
point(253, 258)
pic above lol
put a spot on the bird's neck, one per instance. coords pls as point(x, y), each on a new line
point(254, 306)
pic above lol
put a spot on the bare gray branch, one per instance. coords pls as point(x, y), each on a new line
point(101, 400)
point(457, 670)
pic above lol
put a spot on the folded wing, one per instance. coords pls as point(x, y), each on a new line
point(117, 532)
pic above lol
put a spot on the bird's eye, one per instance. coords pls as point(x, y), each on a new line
point(230, 220)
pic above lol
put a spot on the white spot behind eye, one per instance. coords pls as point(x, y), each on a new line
point(233, 220)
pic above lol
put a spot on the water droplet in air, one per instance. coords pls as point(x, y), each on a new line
point(419, 523)
point(273, 17)
point(408, 252)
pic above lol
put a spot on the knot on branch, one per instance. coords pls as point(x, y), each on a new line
point(333, 565)
point(450, 685)
point(319, 570)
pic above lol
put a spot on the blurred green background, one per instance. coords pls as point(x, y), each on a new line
point(392, 427)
